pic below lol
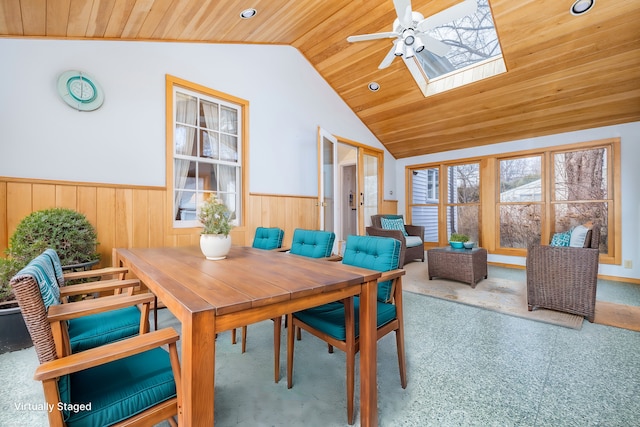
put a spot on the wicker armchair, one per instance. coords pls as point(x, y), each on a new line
point(412, 251)
point(564, 278)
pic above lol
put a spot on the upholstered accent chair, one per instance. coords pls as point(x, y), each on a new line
point(411, 236)
point(81, 325)
point(564, 278)
point(337, 323)
point(267, 239)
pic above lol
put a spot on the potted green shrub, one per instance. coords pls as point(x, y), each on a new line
point(215, 241)
point(68, 232)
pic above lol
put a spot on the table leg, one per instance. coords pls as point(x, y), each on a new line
point(198, 360)
point(368, 356)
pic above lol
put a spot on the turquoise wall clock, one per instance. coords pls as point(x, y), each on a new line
point(80, 91)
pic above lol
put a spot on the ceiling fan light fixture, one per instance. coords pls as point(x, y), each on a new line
point(581, 7)
point(374, 86)
point(248, 13)
point(408, 37)
point(419, 46)
point(399, 50)
point(409, 52)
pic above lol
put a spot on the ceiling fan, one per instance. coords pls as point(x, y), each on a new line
point(410, 30)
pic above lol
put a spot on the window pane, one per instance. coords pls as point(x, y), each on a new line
point(464, 183)
point(208, 115)
point(209, 141)
point(425, 185)
point(520, 225)
point(226, 179)
point(228, 120)
point(520, 180)
point(581, 175)
point(426, 216)
point(569, 215)
point(228, 148)
point(186, 109)
point(185, 140)
point(463, 220)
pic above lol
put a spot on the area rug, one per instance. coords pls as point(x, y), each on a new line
point(501, 295)
point(618, 315)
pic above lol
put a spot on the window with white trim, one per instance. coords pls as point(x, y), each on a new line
point(207, 154)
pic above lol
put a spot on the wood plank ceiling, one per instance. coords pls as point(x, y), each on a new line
point(565, 73)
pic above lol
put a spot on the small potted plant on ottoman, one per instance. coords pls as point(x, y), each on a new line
point(457, 240)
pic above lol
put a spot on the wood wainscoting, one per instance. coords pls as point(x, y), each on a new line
point(136, 216)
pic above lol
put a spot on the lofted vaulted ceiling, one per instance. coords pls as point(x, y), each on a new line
point(564, 73)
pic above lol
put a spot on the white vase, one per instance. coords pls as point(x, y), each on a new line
point(215, 246)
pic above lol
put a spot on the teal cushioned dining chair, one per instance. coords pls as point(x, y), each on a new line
point(76, 331)
point(312, 243)
point(267, 238)
point(337, 323)
point(130, 380)
point(308, 243)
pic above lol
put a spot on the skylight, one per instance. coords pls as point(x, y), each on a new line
point(475, 54)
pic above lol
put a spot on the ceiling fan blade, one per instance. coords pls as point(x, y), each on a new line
point(403, 10)
point(374, 36)
point(462, 9)
point(389, 58)
point(434, 45)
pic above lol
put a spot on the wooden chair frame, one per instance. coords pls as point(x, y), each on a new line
point(49, 372)
point(351, 345)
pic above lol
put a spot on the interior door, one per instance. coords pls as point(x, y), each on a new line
point(327, 146)
point(370, 185)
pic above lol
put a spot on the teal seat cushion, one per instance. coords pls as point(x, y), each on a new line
point(312, 243)
point(119, 389)
point(413, 241)
point(329, 318)
point(374, 253)
point(102, 328)
point(268, 238)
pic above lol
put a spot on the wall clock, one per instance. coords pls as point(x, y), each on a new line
point(80, 91)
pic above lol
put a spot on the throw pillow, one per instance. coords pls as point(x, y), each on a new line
point(393, 224)
point(578, 236)
point(561, 239)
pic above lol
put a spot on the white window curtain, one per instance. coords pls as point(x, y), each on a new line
point(224, 176)
point(184, 139)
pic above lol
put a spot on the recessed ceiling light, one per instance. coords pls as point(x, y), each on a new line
point(374, 86)
point(248, 13)
point(582, 6)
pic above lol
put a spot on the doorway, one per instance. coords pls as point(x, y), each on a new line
point(349, 186)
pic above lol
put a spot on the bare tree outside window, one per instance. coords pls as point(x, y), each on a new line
point(520, 209)
point(472, 39)
point(581, 190)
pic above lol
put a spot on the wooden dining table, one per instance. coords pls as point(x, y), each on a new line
point(249, 286)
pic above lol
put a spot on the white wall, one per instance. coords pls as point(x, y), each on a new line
point(123, 142)
point(630, 176)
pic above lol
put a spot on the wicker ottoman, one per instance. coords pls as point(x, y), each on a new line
point(464, 265)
